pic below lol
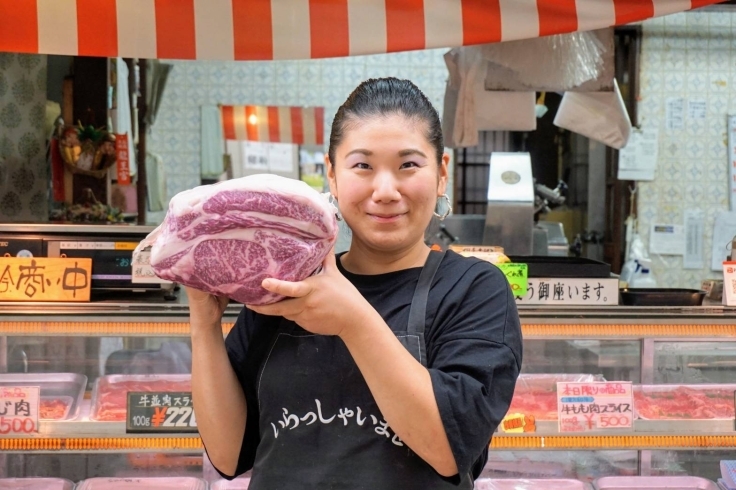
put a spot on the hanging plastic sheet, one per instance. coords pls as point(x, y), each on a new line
point(601, 116)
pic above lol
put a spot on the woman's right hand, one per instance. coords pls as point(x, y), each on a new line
point(205, 309)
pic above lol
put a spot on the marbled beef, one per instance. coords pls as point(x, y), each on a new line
point(227, 237)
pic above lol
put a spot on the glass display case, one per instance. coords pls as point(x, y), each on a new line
point(85, 357)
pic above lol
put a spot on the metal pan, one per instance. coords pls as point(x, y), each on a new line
point(662, 297)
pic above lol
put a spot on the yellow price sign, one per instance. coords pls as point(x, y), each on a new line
point(45, 279)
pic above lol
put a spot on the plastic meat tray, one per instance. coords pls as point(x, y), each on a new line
point(66, 388)
point(109, 395)
point(536, 394)
point(540, 484)
point(35, 484)
point(699, 402)
point(241, 483)
point(174, 483)
point(654, 483)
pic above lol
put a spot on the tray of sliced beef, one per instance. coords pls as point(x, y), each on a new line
point(55, 407)
point(158, 483)
point(110, 393)
point(61, 393)
point(536, 394)
point(684, 402)
point(520, 484)
point(35, 484)
point(654, 483)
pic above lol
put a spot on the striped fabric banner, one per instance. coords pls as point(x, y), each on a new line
point(298, 29)
point(273, 124)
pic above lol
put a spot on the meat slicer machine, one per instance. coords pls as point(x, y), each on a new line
point(515, 202)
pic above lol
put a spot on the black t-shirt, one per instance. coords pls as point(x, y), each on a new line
point(474, 350)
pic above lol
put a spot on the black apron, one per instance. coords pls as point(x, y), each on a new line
point(320, 427)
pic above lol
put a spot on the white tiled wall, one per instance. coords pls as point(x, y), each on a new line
point(690, 55)
point(176, 134)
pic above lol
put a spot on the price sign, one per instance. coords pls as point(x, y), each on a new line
point(516, 274)
point(122, 158)
point(583, 407)
point(44, 279)
point(142, 271)
point(518, 423)
point(19, 409)
point(160, 412)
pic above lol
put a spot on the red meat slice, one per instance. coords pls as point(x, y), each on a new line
point(684, 403)
point(52, 409)
point(541, 404)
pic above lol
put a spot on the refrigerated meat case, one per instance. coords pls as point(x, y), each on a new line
point(648, 346)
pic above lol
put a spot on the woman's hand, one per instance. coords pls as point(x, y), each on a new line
point(205, 309)
point(323, 304)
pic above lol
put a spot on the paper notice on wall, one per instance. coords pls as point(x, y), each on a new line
point(638, 159)
point(255, 156)
point(281, 157)
point(732, 160)
point(697, 109)
point(667, 239)
point(694, 235)
point(674, 117)
point(724, 229)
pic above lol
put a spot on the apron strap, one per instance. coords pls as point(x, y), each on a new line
point(418, 310)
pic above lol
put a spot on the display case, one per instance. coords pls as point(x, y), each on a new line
point(687, 352)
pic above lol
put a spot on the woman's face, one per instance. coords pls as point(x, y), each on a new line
point(387, 181)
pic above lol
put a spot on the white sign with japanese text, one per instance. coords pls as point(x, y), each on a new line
point(142, 272)
point(19, 409)
point(584, 407)
point(571, 292)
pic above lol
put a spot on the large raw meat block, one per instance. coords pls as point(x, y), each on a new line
point(226, 238)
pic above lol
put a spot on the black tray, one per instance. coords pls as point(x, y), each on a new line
point(662, 297)
point(545, 266)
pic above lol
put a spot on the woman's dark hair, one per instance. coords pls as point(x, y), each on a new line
point(381, 97)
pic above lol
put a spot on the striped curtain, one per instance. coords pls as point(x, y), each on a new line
point(298, 29)
point(273, 124)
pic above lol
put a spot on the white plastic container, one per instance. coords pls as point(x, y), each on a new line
point(240, 483)
point(654, 483)
point(35, 484)
point(538, 484)
point(174, 483)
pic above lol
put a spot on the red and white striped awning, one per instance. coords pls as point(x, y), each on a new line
point(274, 124)
point(298, 29)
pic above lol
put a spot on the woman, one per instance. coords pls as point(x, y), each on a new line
point(392, 367)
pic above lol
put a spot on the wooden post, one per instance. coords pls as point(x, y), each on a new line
point(142, 187)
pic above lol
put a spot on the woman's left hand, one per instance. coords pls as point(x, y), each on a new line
point(323, 304)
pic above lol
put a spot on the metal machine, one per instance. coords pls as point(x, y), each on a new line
point(515, 202)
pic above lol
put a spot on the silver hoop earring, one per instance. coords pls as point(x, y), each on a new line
point(447, 211)
point(333, 200)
